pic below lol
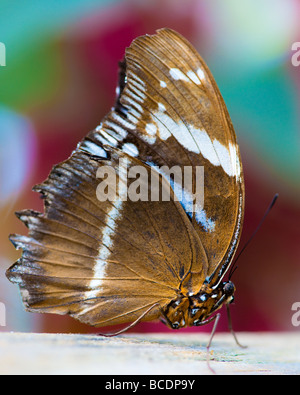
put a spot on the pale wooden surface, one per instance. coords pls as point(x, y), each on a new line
point(169, 354)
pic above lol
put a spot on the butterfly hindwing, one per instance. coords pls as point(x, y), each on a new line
point(103, 262)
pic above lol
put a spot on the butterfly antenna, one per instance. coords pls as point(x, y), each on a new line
point(234, 267)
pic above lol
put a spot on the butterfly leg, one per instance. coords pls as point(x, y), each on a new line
point(216, 320)
point(130, 325)
point(231, 329)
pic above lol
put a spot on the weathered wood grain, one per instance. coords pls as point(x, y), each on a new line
point(170, 354)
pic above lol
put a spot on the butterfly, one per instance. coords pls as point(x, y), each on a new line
point(121, 260)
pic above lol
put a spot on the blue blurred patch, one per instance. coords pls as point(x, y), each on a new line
point(17, 153)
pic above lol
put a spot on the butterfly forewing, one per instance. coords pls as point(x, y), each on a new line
point(174, 115)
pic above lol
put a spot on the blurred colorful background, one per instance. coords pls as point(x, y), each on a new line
point(59, 81)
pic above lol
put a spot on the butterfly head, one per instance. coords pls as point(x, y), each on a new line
point(196, 309)
point(210, 300)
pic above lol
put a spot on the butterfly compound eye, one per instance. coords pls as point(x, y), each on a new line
point(229, 289)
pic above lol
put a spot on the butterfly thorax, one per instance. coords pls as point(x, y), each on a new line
point(194, 310)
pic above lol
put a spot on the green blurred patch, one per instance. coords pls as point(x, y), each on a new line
point(32, 76)
point(263, 107)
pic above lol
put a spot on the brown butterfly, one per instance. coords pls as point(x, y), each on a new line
point(129, 260)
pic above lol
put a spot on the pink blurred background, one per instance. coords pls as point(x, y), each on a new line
point(59, 81)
